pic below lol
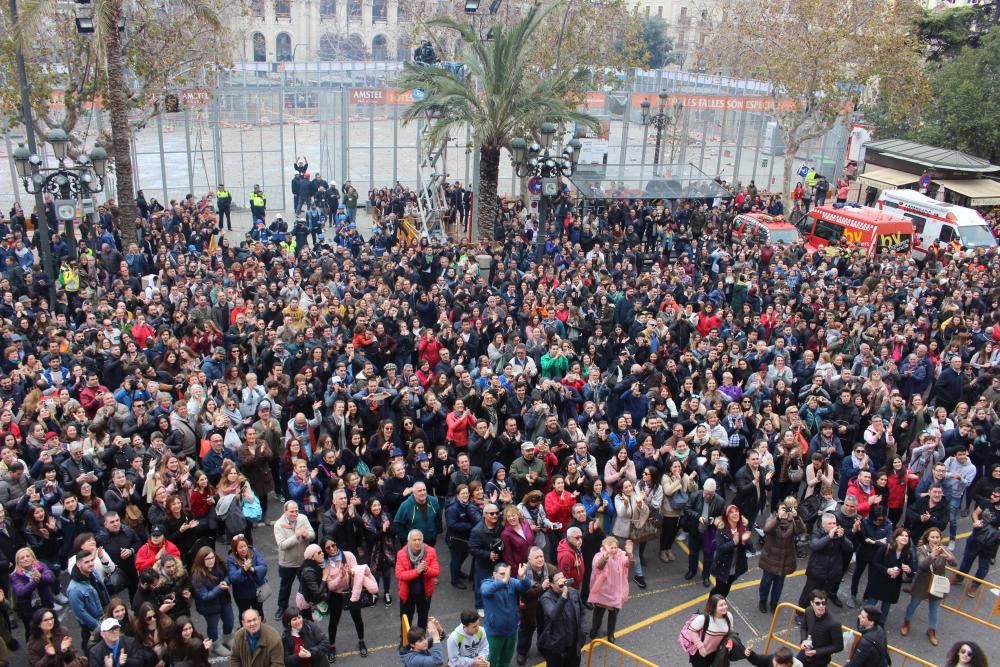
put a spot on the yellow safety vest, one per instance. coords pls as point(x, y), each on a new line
point(222, 194)
point(258, 200)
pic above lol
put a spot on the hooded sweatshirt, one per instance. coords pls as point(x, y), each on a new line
point(463, 648)
point(432, 657)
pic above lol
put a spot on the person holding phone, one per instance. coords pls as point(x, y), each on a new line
point(212, 598)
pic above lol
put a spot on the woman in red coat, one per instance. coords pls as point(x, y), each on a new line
point(517, 537)
point(416, 569)
point(559, 508)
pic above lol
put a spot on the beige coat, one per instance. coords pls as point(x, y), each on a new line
point(291, 549)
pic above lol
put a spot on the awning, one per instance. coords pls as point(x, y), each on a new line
point(980, 191)
point(884, 178)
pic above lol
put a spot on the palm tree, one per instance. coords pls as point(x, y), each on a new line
point(501, 97)
point(108, 16)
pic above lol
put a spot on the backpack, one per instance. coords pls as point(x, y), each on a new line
point(686, 638)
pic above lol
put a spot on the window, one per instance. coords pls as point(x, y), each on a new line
point(353, 10)
point(947, 234)
point(828, 232)
point(355, 48)
point(259, 48)
point(283, 9)
point(327, 10)
point(380, 48)
point(283, 47)
point(659, 11)
point(380, 11)
point(918, 221)
point(257, 9)
point(329, 47)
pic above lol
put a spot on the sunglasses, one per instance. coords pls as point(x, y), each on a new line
point(819, 603)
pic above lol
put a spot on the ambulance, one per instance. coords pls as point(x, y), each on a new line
point(761, 228)
point(956, 227)
point(873, 229)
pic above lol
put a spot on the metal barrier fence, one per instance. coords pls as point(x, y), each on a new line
point(967, 598)
point(785, 633)
point(602, 653)
point(250, 126)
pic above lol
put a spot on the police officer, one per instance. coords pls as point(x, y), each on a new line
point(258, 203)
point(223, 204)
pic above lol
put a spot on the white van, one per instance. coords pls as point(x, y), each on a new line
point(935, 220)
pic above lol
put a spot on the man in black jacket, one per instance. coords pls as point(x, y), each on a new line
point(121, 543)
point(702, 508)
point(872, 649)
point(930, 511)
point(565, 622)
point(825, 569)
point(783, 657)
point(751, 488)
point(820, 632)
point(122, 649)
point(485, 547)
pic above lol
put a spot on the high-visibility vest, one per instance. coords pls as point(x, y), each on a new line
point(70, 279)
point(223, 197)
point(258, 200)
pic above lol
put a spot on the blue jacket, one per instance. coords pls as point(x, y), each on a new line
point(208, 597)
point(85, 600)
point(212, 463)
point(500, 605)
point(245, 584)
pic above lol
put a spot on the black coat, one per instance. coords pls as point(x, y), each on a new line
point(939, 516)
point(312, 640)
point(827, 638)
point(727, 550)
point(749, 494)
point(826, 557)
point(311, 583)
point(881, 586)
point(565, 630)
point(695, 504)
point(872, 649)
point(480, 540)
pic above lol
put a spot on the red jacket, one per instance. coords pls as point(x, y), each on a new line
point(405, 573)
point(145, 558)
point(559, 509)
point(430, 349)
point(570, 563)
point(458, 428)
point(864, 499)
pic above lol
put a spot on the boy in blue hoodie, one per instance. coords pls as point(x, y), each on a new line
point(500, 595)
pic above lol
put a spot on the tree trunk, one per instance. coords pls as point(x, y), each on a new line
point(786, 184)
point(489, 175)
point(120, 135)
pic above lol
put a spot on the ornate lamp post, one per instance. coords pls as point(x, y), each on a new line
point(547, 163)
point(67, 183)
point(660, 120)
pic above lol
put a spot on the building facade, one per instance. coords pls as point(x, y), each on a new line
point(691, 24)
point(324, 30)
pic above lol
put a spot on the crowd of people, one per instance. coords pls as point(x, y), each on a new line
point(649, 380)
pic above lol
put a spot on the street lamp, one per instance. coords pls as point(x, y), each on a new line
point(548, 164)
point(659, 120)
point(67, 183)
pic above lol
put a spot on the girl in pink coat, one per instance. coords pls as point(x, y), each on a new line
point(609, 584)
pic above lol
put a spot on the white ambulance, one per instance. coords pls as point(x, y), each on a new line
point(954, 226)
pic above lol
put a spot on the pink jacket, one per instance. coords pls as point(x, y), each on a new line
point(609, 584)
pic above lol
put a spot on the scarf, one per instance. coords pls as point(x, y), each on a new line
point(416, 558)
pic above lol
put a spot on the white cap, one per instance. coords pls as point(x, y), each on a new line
point(109, 624)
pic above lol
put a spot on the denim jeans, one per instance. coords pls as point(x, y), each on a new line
point(973, 550)
point(954, 506)
point(212, 622)
point(932, 612)
point(773, 584)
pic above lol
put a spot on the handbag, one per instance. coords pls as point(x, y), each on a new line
point(642, 530)
point(797, 473)
point(133, 516)
point(264, 592)
point(940, 586)
point(252, 510)
point(366, 600)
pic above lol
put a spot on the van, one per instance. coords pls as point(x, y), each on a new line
point(873, 229)
point(761, 228)
point(957, 227)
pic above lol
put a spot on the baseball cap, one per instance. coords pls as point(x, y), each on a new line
point(109, 624)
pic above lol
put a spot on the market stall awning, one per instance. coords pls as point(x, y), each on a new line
point(980, 191)
point(885, 178)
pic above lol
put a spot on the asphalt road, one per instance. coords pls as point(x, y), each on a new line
point(650, 622)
